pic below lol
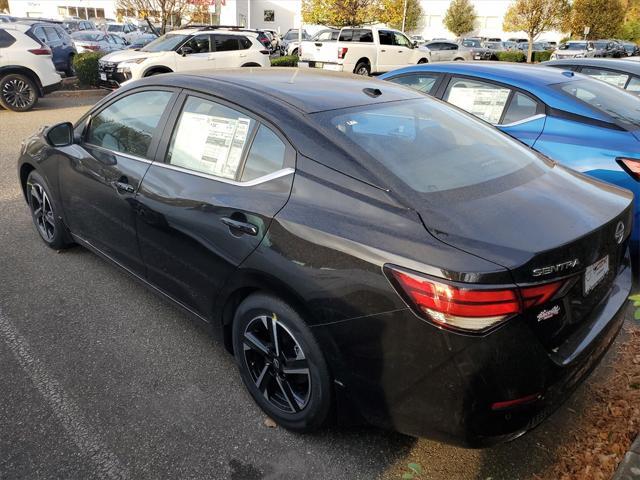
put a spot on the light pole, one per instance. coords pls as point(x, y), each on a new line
point(404, 14)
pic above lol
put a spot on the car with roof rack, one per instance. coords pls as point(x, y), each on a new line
point(188, 49)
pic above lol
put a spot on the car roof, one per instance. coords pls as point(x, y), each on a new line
point(308, 91)
point(21, 27)
point(82, 32)
point(535, 79)
point(629, 66)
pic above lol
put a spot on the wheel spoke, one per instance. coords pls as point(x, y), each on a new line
point(36, 194)
point(251, 342)
point(37, 212)
point(296, 367)
point(49, 219)
point(285, 388)
point(262, 382)
point(273, 334)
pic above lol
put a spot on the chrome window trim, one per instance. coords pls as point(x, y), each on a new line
point(113, 152)
point(524, 120)
point(283, 172)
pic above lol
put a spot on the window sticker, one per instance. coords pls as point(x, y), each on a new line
point(210, 144)
point(486, 103)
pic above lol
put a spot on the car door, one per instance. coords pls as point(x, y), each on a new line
point(220, 176)
point(403, 49)
point(225, 48)
point(386, 55)
point(514, 112)
point(196, 54)
point(104, 168)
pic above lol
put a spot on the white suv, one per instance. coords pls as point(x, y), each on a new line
point(26, 68)
point(201, 48)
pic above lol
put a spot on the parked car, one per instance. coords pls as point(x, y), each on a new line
point(460, 295)
point(478, 50)
point(96, 40)
point(609, 48)
point(203, 48)
point(574, 49)
point(139, 43)
point(290, 41)
point(537, 47)
point(7, 18)
point(630, 49)
point(58, 40)
point(128, 31)
point(580, 122)
point(496, 46)
point(621, 73)
point(73, 25)
point(362, 51)
point(26, 68)
point(509, 45)
point(418, 39)
point(446, 51)
point(274, 36)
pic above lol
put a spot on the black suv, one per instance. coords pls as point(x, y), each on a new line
point(609, 48)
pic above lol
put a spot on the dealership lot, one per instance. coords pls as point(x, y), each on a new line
point(102, 379)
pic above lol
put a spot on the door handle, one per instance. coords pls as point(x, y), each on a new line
point(383, 51)
point(123, 187)
point(238, 226)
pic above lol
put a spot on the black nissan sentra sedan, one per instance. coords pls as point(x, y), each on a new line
point(377, 256)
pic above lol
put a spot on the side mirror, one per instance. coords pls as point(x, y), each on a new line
point(414, 43)
point(184, 51)
point(60, 135)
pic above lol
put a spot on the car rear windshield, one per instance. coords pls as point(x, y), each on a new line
point(165, 43)
point(622, 107)
point(427, 145)
point(115, 28)
point(88, 37)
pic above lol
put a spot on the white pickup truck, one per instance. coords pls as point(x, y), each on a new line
point(362, 51)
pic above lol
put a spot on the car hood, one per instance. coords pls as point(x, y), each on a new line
point(531, 219)
point(124, 55)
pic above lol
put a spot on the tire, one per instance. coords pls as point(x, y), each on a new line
point(422, 61)
point(70, 71)
point(45, 214)
point(362, 68)
point(459, 59)
point(295, 52)
point(287, 377)
point(18, 92)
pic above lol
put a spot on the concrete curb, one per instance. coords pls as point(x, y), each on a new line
point(629, 467)
point(78, 93)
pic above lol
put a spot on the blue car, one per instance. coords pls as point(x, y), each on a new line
point(580, 122)
point(54, 36)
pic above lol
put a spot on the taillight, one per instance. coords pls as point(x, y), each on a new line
point(472, 308)
point(40, 51)
point(631, 166)
point(342, 51)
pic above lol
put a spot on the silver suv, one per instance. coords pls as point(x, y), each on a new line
point(574, 49)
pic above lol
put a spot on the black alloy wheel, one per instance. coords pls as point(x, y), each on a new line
point(281, 363)
point(17, 93)
point(43, 211)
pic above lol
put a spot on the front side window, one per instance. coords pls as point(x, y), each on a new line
point(422, 82)
point(198, 44)
point(427, 146)
point(634, 85)
point(128, 125)
point(618, 79)
point(400, 40)
point(481, 99)
point(226, 43)
point(210, 138)
point(266, 155)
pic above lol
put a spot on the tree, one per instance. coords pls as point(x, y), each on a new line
point(340, 13)
point(535, 17)
point(630, 30)
point(166, 9)
point(460, 17)
point(392, 12)
point(603, 17)
point(4, 5)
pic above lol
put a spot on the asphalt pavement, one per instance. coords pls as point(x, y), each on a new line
point(100, 378)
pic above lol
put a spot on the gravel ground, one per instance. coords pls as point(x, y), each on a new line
point(103, 379)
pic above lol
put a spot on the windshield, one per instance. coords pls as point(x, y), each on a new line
point(293, 35)
point(622, 107)
point(88, 37)
point(428, 145)
point(574, 46)
point(165, 43)
point(471, 43)
point(115, 28)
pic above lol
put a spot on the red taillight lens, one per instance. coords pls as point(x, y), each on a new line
point(40, 51)
point(342, 52)
point(470, 308)
point(631, 166)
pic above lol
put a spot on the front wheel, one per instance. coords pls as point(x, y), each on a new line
point(17, 92)
point(281, 363)
point(44, 213)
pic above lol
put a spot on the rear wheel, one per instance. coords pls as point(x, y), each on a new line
point(44, 213)
point(71, 70)
point(281, 363)
point(295, 52)
point(423, 60)
point(18, 92)
point(362, 68)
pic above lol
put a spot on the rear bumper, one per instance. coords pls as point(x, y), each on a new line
point(52, 88)
point(399, 372)
point(332, 66)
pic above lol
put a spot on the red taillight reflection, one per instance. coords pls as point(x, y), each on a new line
point(516, 402)
point(631, 166)
point(472, 307)
point(40, 51)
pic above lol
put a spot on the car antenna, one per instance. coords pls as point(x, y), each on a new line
point(372, 92)
point(568, 73)
point(293, 77)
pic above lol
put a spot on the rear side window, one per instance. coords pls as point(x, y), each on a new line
point(210, 138)
point(52, 34)
point(266, 155)
point(128, 125)
point(428, 146)
point(386, 37)
point(356, 35)
point(617, 79)
point(199, 44)
point(481, 99)
point(226, 43)
point(244, 43)
point(520, 108)
point(40, 35)
point(422, 82)
point(632, 86)
point(6, 39)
